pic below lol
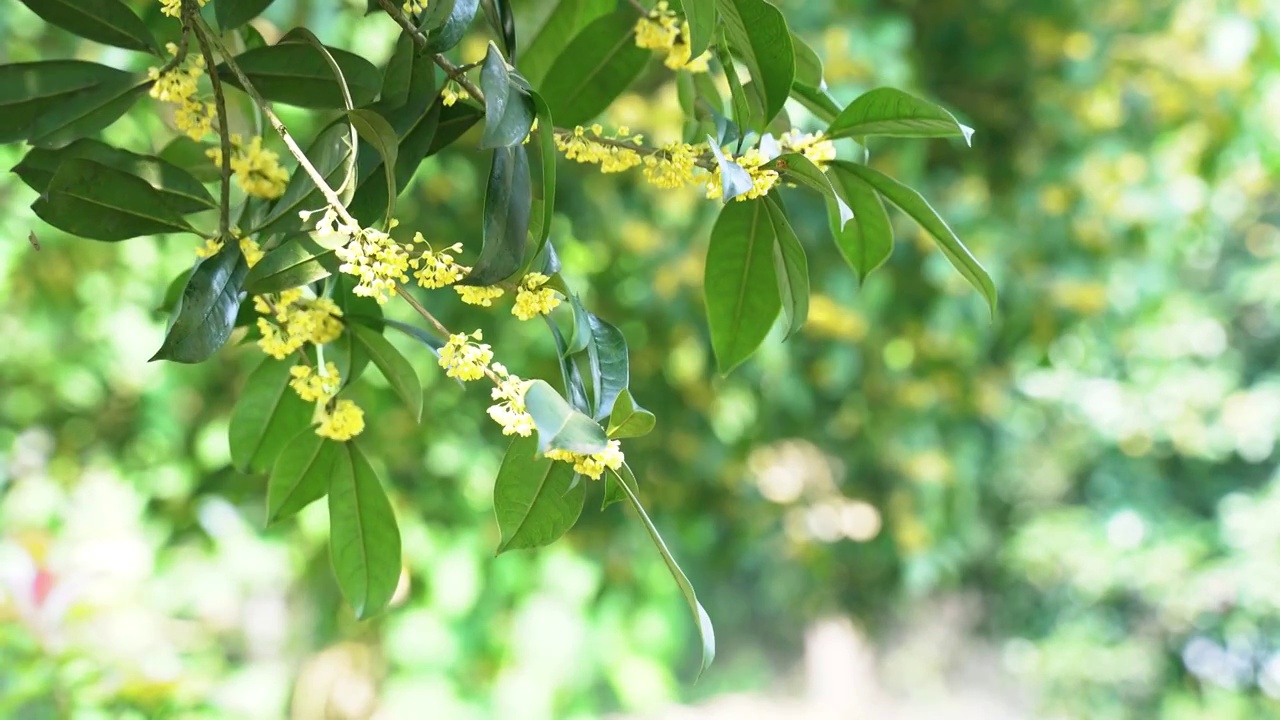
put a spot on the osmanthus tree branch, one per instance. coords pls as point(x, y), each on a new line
point(190, 10)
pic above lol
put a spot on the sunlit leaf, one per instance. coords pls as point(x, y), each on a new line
point(535, 498)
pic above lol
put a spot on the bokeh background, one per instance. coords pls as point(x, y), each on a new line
point(906, 510)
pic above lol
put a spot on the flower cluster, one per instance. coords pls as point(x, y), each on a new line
point(762, 179)
point(257, 169)
point(379, 262)
point(314, 386)
point(509, 410)
point(664, 31)
point(173, 8)
point(453, 92)
point(437, 269)
point(414, 7)
point(344, 422)
point(813, 146)
point(482, 296)
point(463, 359)
point(293, 320)
point(179, 86)
point(674, 167)
point(533, 298)
point(248, 247)
point(589, 149)
point(592, 466)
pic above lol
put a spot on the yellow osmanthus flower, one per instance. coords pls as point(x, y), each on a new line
point(437, 269)
point(509, 411)
point(482, 296)
point(414, 7)
point(295, 321)
point(257, 169)
point(463, 359)
point(180, 86)
point(674, 167)
point(248, 247)
point(211, 247)
point(814, 146)
point(343, 423)
point(762, 180)
point(588, 149)
point(453, 92)
point(593, 466)
point(314, 386)
point(663, 30)
point(532, 299)
point(173, 8)
point(379, 262)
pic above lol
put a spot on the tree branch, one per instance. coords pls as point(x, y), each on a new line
point(224, 132)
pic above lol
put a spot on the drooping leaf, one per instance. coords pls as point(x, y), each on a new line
point(508, 107)
point(364, 540)
point(734, 179)
point(705, 631)
point(609, 363)
point(594, 69)
point(109, 22)
point(791, 267)
point(295, 73)
point(913, 204)
point(534, 498)
point(376, 131)
point(758, 34)
point(95, 201)
point(84, 113)
point(296, 262)
point(301, 473)
point(559, 426)
point(333, 155)
point(449, 33)
point(548, 160)
point(231, 14)
point(867, 242)
point(267, 415)
point(207, 313)
point(702, 17)
point(628, 419)
point(569, 373)
point(613, 493)
point(394, 366)
point(887, 111)
point(28, 90)
point(740, 282)
point(508, 202)
point(568, 17)
point(175, 187)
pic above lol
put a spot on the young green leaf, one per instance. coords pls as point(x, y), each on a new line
point(95, 201)
point(296, 262)
point(28, 90)
point(597, 66)
point(535, 498)
point(867, 242)
point(628, 419)
point(266, 417)
point(758, 33)
point(295, 73)
point(560, 427)
point(176, 187)
point(508, 108)
point(886, 111)
point(702, 17)
point(740, 282)
point(734, 179)
point(568, 17)
point(364, 540)
point(508, 202)
point(612, 492)
point(449, 33)
point(913, 204)
point(610, 366)
point(301, 474)
point(109, 22)
point(378, 133)
point(705, 631)
point(395, 368)
point(208, 310)
point(791, 267)
point(231, 14)
point(84, 113)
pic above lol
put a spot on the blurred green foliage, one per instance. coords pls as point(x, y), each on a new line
point(1098, 463)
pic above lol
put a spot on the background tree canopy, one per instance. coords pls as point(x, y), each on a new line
point(1096, 465)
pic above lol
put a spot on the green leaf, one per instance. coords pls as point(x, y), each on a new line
point(398, 75)
point(569, 373)
point(560, 427)
point(503, 22)
point(232, 14)
point(378, 132)
point(795, 167)
point(890, 112)
point(29, 90)
point(333, 155)
point(612, 492)
point(296, 262)
point(207, 314)
point(301, 474)
point(741, 105)
point(808, 64)
point(449, 33)
point(295, 73)
point(508, 202)
point(455, 121)
point(364, 540)
point(581, 327)
point(85, 113)
point(758, 34)
point(347, 353)
point(610, 366)
point(109, 22)
point(508, 108)
point(791, 267)
point(705, 631)
point(536, 499)
point(628, 419)
point(175, 187)
point(266, 417)
point(548, 159)
point(734, 179)
point(597, 66)
point(702, 18)
point(913, 204)
point(568, 17)
point(867, 242)
point(190, 155)
point(99, 202)
point(740, 282)
point(816, 100)
point(395, 368)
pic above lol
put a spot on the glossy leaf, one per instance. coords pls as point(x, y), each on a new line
point(612, 492)
point(28, 90)
point(231, 14)
point(95, 201)
point(85, 113)
point(568, 17)
point(376, 131)
point(569, 373)
point(702, 17)
point(867, 242)
point(535, 499)
point(393, 365)
point(397, 76)
point(913, 204)
point(628, 419)
point(109, 22)
point(508, 107)
point(740, 104)
point(559, 425)
point(364, 540)
point(791, 267)
point(609, 363)
point(295, 73)
point(503, 22)
point(207, 313)
point(267, 415)
point(296, 262)
point(455, 121)
point(507, 204)
point(301, 473)
point(548, 161)
point(594, 69)
point(886, 111)
point(740, 282)
point(449, 32)
point(758, 34)
point(176, 188)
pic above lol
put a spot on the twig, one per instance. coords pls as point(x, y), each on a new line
point(224, 130)
point(639, 7)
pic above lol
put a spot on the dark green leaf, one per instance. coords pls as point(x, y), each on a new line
point(297, 262)
point(559, 425)
point(364, 540)
point(758, 34)
point(378, 132)
point(569, 373)
point(734, 179)
point(295, 73)
point(561, 26)
point(174, 187)
point(508, 107)
point(503, 22)
point(348, 354)
point(913, 204)
point(398, 75)
point(266, 417)
point(438, 12)
point(791, 267)
point(28, 90)
point(232, 14)
point(535, 498)
point(628, 419)
point(449, 33)
point(207, 313)
point(84, 113)
point(507, 204)
point(548, 160)
point(395, 368)
point(333, 155)
point(886, 111)
point(705, 631)
point(455, 121)
point(596, 67)
point(190, 156)
point(109, 22)
point(610, 366)
point(867, 242)
point(98, 202)
point(740, 282)
point(301, 473)
point(613, 493)
point(702, 18)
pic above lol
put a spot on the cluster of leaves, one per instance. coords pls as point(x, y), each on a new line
point(389, 120)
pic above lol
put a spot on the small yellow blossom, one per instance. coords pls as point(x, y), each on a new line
point(453, 92)
point(532, 299)
point(463, 359)
point(314, 386)
point(482, 296)
point(250, 249)
point(585, 148)
point(173, 8)
point(414, 7)
point(509, 411)
point(180, 86)
point(813, 146)
point(345, 422)
point(257, 169)
point(293, 321)
point(762, 180)
point(664, 32)
point(211, 247)
point(437, 269)
point(674, 167)
point(592, 466)
point(371, 255)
